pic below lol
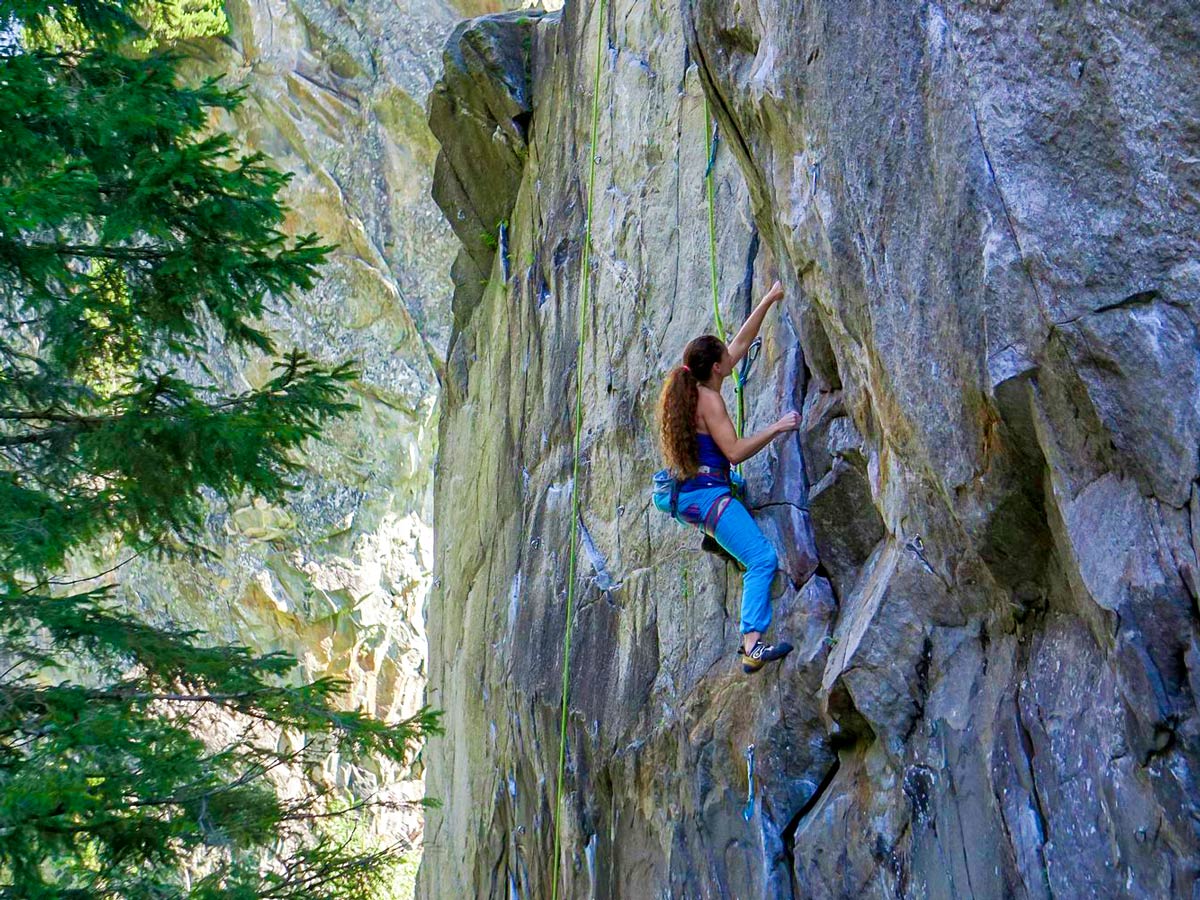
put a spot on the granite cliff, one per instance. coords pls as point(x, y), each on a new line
point(985, 216)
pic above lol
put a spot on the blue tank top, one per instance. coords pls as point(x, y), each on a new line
point(710, 455)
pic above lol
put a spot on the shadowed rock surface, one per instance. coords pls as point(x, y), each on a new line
point(985, 215)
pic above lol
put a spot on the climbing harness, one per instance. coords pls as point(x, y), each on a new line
point(580, 342)
point(665, 495)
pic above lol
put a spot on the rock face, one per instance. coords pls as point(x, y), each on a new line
point(985, 215)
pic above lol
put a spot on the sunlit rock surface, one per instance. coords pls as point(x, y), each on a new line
point(985, 216)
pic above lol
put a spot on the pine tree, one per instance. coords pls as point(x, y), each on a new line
point(129, 232)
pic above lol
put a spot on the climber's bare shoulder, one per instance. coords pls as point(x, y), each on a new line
point(710, 410)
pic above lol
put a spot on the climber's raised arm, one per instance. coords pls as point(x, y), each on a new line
point(749, 331)
point(712, 412)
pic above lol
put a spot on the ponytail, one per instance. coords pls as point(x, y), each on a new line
point(677, 405)
point(677, 422)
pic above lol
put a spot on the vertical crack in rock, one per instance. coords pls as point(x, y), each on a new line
point(1026, 741)
point(1012, 226)
point(745, 292)
point(922, 691)
point(788, 835)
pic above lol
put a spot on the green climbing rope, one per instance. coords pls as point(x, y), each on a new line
point(579, 353)
point(581, 338)
point(709, 182)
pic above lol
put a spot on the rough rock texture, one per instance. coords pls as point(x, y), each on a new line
point(335, 93)
point(985, 215)
point(478, 173)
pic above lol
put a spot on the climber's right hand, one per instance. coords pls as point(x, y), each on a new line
point(789, 422)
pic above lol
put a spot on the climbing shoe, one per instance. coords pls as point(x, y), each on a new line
point(761, 654)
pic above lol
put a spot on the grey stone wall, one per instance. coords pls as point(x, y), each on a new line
point(985, 218)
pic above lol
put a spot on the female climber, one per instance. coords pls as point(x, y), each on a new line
point(699, 444)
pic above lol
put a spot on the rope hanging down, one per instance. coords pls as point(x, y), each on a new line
point(709, 183)
point(579, 353)
point(585, 296)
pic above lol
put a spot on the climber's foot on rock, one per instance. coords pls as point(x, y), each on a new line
point(761, 654)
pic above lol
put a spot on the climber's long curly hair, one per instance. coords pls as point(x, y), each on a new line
point(677, 404)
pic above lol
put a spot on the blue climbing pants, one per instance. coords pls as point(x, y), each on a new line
point(746, 543)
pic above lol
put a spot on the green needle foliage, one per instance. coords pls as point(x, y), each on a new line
point(138, 761)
